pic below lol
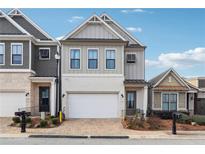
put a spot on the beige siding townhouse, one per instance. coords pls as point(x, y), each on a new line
point(102, 71)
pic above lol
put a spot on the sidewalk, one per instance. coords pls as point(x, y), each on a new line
point(138, 135)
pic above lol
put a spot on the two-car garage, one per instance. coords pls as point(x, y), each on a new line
point(10, 102)
point(90, 105)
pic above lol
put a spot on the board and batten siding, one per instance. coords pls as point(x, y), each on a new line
point(135, 70)
point(95, 31)
point(83, 59)
point(182, 100)
point(157, 100)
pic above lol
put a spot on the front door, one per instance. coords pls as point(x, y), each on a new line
point(131, 102)
point(44, 99)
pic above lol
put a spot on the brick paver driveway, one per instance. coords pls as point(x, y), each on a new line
point(75, 127)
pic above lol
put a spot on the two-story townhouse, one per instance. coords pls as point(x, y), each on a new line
point(102, 71)
point(28, 67)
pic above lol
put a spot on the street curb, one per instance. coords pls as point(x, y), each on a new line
point(109, 137)
point(56, 136)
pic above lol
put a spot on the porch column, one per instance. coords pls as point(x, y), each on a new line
point(52, 95)
point(145, 100)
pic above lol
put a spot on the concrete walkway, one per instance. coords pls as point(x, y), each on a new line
point(94, 127)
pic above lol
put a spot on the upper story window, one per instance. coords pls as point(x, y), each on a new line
point(16, 53)
point(92, 58)
point(131, 58)
point(75, 58)
point(110, 58)
point(2, 53)
point(44, 53)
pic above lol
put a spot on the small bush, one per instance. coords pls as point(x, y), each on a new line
point(28, 120)
point(43, 123)
point(135, 123)
point(185, 119)
point(51, 117)
point(16, 119)
point(154, 123)
point(199, 119)
point(55, 121)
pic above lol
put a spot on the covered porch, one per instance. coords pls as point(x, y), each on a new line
point(43, 95)
point(135, 97)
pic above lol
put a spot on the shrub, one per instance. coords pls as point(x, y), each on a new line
point(43, 123)
point(185, 119)
point(199, 119)
point(135, 123)
point(55, 121)
point(16, 119)
point(51, 117)
point(28, 120)
point(154, 123)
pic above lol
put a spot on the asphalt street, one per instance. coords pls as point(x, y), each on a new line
point(70, 141)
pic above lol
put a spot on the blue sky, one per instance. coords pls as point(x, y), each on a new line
point(174, 37)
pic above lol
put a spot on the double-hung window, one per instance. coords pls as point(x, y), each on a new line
point(16, 53)
point(110, 59)
point(2, 53)
point(92, 58)
point(169, 102)
point(75, 58)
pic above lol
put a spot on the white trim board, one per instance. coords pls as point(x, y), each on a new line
point(87, 21)
point(176, 75)
point(17, 71)
point(14, 23)
point(4, 48)
point(123, 29)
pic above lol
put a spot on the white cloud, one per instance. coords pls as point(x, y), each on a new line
point(75, 18)
point(59, 38)
point(134, 29)
point(135, 11)
point(185, 59)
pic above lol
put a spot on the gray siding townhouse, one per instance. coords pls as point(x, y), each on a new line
point(28, 66)
point(102, 71)
point(170, 92)
point(199, 82)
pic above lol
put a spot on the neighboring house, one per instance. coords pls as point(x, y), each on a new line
point(199, 82)
point(170, 92)
point(27, 66)
point(102, 71)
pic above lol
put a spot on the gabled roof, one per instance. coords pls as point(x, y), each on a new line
point(93, 19)
point(16, 25)
point(158, 79)
point(18, 13)
point(129, 37)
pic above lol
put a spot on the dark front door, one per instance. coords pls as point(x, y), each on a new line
point(44, 99)
point(131, 102)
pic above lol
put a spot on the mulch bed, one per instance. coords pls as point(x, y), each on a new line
point(165, 125)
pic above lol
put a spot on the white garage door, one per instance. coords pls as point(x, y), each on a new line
point(92, 106)
point(10, 102)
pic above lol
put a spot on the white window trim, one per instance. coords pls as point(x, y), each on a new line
point(49, 50)
point(105, 68)
point(4, 48)
point(97, 59)
point(70, 58)
point(21, 56)
point(170, 93)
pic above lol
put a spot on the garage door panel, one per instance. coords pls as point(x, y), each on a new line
point(92, 106)
point(10, 102)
